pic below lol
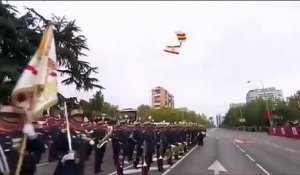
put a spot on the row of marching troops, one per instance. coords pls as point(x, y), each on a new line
point(72, 146)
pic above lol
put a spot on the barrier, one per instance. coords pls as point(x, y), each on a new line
point(286, 131)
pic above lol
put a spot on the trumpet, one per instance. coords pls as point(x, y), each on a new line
point(104, 140)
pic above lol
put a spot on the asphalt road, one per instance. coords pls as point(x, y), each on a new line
point(241, 153)
point(225, 152)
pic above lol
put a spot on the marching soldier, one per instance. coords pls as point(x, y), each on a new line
point(150, 148)
point(11, 121)
point(137, 135)
point(99, 147)
point(70, 161)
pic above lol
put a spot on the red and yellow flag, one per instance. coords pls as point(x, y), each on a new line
point(36, 89)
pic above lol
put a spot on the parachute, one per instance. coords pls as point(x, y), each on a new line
point(174, 49)
point(181, 37)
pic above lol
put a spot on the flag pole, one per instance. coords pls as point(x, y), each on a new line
point(24, 141)
point(32, 105)
point(68, 127)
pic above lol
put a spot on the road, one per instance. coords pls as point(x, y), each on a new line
point(241, 153)
point(225, 152)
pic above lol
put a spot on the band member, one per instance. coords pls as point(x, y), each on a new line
point(99, 146)
point(70, 161)
point(12, 121)
point(150, 148)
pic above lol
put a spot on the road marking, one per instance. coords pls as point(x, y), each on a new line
point(217, 137)
point(238, 141)
point(217, 167)
point(175, 164)
point(42, 164)
point(275, 145)
point(289, 149)
point(131, 171)
point(265, 171)
point(125, 168)
point(250, 157)
point(259, 166)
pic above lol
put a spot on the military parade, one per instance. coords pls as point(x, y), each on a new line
point(71, 142)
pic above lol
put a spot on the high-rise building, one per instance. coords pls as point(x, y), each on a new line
point(219, 119)
point(268, 93)
point(236, 105)
point(162, 98)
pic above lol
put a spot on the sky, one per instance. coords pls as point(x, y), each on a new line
point(228, 43)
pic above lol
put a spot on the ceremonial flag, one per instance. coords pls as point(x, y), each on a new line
point(172, 49)
point(36, 89)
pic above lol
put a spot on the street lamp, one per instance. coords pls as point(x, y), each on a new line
point(267, 104)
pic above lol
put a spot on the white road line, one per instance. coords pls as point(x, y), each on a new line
point(132, 171)
point(290, 150)
point(242, 150)
point(250, 157)
point(265, 171)
point(42, 164)
point(125, 168)
point(174, 165)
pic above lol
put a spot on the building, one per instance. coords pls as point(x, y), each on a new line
point(218, 119)
point(162, 98)
point(271, 93)
point(236, 105)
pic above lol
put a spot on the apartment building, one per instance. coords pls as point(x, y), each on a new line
point(269, 93)
point(162, 98)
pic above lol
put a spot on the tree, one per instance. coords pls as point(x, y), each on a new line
point(143, 110)
point(111, 110)
point(19, 38)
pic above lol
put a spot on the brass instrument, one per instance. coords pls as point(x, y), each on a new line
point(104, 140)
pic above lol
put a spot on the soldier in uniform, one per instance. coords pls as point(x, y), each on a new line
point(12, 122)
point(150, 145)
point(99, 146)
point(70, 161)
point(137, 135)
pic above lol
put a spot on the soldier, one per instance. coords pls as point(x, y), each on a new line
point(11, 121)
point(42, 136)
point(71, 161)
point(99, 146)
point(200, 137)
point(150, 145)
point(53, 132)
point(119, 144)
point(137, 135)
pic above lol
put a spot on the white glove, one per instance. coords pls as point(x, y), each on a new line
point(29, 131)
point(92, 142)
point(69, 156)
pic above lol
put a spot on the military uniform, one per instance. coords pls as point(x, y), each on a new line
point(11, 140)
point(73, 165)
point(98, 135)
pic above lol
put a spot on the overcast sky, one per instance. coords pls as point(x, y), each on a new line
point(227, 44)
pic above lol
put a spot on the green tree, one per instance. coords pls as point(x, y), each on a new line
point(143, 110)
point(111, 110)
point(19, 38)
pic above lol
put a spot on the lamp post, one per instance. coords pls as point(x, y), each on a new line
point(266, 100)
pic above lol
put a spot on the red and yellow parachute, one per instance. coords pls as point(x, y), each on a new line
point(181, 37)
